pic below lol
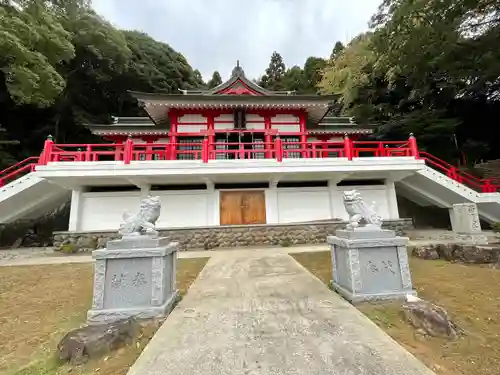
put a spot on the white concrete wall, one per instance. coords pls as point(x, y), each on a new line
point(303, 204)
point(285, 128)
point(103, 211)
point(288, 205)
point(195, 208)
point(224, 125)
point(190, 128)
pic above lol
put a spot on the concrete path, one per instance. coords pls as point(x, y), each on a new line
point(263, 313)
point(66, 259)
point(41, 256)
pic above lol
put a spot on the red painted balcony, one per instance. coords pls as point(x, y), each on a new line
point(206, 151)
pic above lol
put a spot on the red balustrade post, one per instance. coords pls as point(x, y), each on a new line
point(488, 187)
point(412, 144)
point(278, 147)
point(46, 156)
point(268, 139)
point(88, 153)
point(204, 150)
point(348, 147)
point(128, 151)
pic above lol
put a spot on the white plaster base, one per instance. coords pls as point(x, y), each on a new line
point(107, 315)
point(471, 238)
point(370, 265)
point(134, 277)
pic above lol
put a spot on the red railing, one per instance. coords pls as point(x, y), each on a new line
point(205, 151)
point(456, 174)
point(17, 170)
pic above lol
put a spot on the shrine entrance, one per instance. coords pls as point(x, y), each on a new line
point(235, 141)
point(242, 207)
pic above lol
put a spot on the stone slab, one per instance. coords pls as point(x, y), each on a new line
point(367, 242)
point(97, 316)
point(136, 252)
point(471, 238)
point(135, 282)
point(364, 233)
point(265, 314)
point(464, 218)
point(370, 268)
point(137, 242)
point(370, 297)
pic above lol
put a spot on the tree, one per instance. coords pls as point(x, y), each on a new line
point(312, 74)
point(273, 78)
point(293, 80)
point(443, 53)
point(62, 65)
point(349, 71)
point(215, 81)
point(32, 43)
point(337, 50)
point(199, 79)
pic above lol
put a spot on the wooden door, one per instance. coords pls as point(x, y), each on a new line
point(230, 208)
point(254, 207)
point(242, 207)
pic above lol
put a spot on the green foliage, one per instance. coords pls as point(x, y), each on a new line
point(337, 50)
point(273, 78)
point(215, 81)
point(428, 67)
point(495, 227)
point(68, 248)
point(32, 43)
point(62, 65)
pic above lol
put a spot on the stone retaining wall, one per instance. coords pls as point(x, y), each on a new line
point(225, 236)
point(478, 254)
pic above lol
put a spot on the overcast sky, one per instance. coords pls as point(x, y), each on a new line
point(213, 34)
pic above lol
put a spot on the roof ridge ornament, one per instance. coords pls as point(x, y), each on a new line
point(238, 70)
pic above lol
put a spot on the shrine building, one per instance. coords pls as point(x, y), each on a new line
point(237, 154)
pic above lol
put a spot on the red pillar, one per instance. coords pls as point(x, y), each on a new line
point(149, 139)
point(278, 147)
point(128, 151)
point(211, 134)
point(267, 136)
point(174, 119)
point(303, 132)
point(412, 144)
point(348, 148)
point(47, 151)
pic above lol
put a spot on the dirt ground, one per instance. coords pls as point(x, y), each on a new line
point(39, 304)
point(470, 294)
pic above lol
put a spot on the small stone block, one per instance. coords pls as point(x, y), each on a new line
point(137, 242)
point(135, 282)
point(370, 268)
point(364, 233)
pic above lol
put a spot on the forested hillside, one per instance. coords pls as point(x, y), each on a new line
point(427, 67)
point(62, 65)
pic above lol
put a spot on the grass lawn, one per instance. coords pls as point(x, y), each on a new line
point(470, 294)
point(40, 304)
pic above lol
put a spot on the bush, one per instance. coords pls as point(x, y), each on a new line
point(68, 248)
point(495, 227)
point(286, 242)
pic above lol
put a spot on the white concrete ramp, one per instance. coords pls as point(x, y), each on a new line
point(265, 314)
point(430, 187)
point(30, 197)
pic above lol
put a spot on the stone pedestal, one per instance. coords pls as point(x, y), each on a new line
point(465, 224)
point(370, 264)
point(134, 277)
